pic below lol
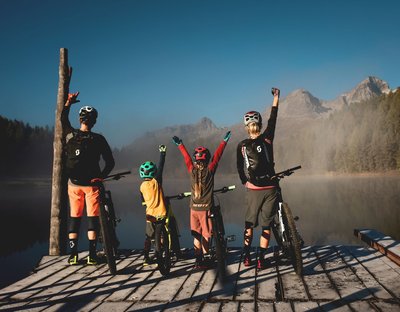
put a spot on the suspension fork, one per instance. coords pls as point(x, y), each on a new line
point(280, 214)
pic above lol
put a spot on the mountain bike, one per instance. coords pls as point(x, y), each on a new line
point(166, 236)
point(284, 228)
point(218, 242)
point(108, 222)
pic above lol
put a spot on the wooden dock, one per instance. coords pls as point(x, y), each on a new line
point(336, 278)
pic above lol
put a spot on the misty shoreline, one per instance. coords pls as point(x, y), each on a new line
point(43, 180)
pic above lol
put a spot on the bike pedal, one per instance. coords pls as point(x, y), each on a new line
point(231, 238)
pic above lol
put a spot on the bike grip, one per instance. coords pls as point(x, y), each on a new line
point(231, 187)
point(186, 194)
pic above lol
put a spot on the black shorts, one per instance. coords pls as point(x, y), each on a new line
point(261, 207)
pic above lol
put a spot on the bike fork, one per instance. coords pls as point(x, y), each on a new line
point(281, 224)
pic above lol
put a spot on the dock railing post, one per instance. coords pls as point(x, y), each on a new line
point(59, 196)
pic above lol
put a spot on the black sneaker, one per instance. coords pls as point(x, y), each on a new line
point(73, 259)
point(247, 260)
point(92, 260)
point(262, 264)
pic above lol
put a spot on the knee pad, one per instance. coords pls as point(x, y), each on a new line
point(74, 224)
point(93, 223)
point(248, 225)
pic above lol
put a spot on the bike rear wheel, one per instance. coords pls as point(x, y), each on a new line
point(220, 244)
point(162, 249)
point(107, 240)
point(293, 243)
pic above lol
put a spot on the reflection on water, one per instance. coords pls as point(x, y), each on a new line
point(330, 208)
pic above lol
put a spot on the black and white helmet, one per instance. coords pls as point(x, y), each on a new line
point(88, 113)
point(252, 116)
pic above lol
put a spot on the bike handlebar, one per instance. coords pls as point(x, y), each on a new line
point(285, 173)
point(116, 176)
point(223, 189)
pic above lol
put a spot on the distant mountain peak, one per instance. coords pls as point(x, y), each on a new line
point(206, 123)
point(367, 89)
point(301, 103)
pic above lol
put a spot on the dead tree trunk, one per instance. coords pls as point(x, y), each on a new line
point(59, 198)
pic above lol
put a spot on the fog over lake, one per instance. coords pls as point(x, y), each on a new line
point(329, 208)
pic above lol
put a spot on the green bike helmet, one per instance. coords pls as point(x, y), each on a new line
point(148, 170)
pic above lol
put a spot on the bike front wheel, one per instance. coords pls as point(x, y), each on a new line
point(293, 242)
point(162, 249)
point(107, 240)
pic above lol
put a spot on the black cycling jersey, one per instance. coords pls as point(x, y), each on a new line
point(83, 163)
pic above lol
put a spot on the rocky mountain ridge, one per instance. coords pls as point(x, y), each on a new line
point(302, 104)
point(296, 111)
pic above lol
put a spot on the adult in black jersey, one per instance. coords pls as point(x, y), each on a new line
point(84, 149)
point(255, 165)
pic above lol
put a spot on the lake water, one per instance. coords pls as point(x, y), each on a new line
point(329, 208)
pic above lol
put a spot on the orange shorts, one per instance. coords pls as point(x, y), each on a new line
point(200, 223)
point(77, 197)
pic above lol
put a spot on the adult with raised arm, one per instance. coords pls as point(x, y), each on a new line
point(255, 166)
point(84, 149)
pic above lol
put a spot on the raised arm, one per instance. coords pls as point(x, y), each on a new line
point(160, 166)
point(269, 131)
point(218, 153)
point(65, 123)
point(188, 160)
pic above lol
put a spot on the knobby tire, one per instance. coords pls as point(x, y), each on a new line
point(293, 240)
point(220, 247)
point(162, 249)
point(107, 240)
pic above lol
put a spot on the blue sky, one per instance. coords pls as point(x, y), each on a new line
point(149, 64)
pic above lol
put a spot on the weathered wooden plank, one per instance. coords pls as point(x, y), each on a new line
point(112, 306)
point(205, 285)
point(169, 286)
point(318, 284)
point(81, 306)
point(27, 286)
point(367, 279)
point(211, 307)
point(246, 282)
point(81, 279)
point(125, 269)
point(37, 291)
point(283, 307)
point(232, 306)
point(362, 280)
point(63, 285)
point(306, 306)
point(345, 281)
point(147, 279)
point(293, 287)
point(337, 306)
point(387, 306)
point(384, 274)
point(183, 307)
point(267, 281)
point(189, 286)
point(226, 290)
point(381, 242)
point(361, 306)
point(265, 306)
